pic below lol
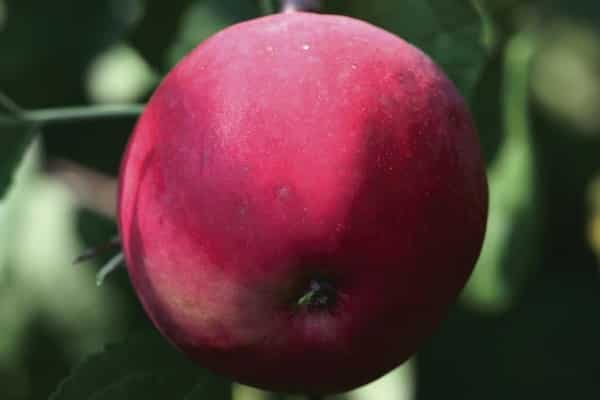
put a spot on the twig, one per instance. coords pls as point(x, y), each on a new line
point(9, 105)
point(75, 114)
point(109, 267)
point(98, 250)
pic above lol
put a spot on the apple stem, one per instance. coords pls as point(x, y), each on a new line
point(300, 5)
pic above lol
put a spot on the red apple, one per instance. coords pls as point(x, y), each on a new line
point(301, 201)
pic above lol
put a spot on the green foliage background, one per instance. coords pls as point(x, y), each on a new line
point(527, 323)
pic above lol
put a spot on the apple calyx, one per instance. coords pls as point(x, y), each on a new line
point(320, 295)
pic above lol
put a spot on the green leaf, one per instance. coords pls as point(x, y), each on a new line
point(143, 366)
point(161, 387)
point(510, 249)
point(15, 137)
point(499, 6)
point(215, 388)
point(141, 386)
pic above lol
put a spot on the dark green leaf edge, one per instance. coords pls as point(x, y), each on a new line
point(142, 356)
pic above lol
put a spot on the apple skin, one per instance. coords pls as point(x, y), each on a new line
point(292, 149)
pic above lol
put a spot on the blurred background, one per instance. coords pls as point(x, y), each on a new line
point(528, 323)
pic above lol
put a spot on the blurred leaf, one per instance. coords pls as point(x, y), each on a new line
point(586, 11)
point(509, 251)
point(215, 388)
point(15, 137)
point(145, 366)
point(487, 108)
point(153, 35)
point(594, 221)
point(137, 386)
point(205, 17)
point(450, 31)
point(44, 331)
point(119, 76)
point(566, 74)
point(497, 6)
point(48, 44)
point(269, 6)
point(545, 347)
point(161, 387)
point(47, 47)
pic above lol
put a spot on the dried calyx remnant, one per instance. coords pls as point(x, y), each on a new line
point(319, 295)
